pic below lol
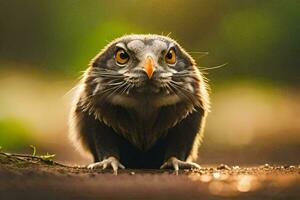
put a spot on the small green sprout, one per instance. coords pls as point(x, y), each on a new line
point(47, 157)
point(33, 150)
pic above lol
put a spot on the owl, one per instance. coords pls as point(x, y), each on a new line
point(141, 103)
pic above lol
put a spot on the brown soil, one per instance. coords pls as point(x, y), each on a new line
point(30, 177)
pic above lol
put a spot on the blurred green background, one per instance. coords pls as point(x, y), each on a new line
point(255, 118)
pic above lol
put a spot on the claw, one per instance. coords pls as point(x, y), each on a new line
point(110, 161)
point(176, 167)
point(177, 164)
point(104, 166)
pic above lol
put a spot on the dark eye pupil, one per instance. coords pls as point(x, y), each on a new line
point(123, 55)
point(169, 55)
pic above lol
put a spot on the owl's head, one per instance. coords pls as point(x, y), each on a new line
point(144, 69)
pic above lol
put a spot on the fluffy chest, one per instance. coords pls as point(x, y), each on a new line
point(143, 126)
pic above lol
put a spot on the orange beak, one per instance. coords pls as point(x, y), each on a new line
point(149, 66)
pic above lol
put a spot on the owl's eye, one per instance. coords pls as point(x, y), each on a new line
point(170, 56)
point(121, 56)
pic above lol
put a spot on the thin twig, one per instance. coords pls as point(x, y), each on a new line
point(18, 155)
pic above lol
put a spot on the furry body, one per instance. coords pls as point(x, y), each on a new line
point(148, 122)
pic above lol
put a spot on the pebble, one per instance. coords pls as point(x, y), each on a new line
point(223, 167)
point(266, 165)
point(236, 167)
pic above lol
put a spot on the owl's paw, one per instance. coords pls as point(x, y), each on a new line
point(176, 164)
point(109, 162)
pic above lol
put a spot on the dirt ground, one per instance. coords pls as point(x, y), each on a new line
point(27, 177)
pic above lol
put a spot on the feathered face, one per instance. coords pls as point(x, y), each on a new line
point(144, 69)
